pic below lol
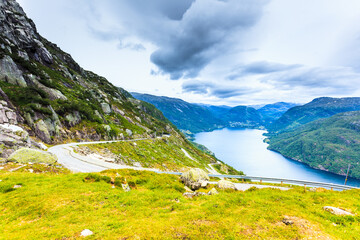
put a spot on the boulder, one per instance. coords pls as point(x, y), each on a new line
point(129, 132)
point(86, 233)
point(194, 178)
point(213, 191)
point(225, 184)
point(106, 108)
point(337, 211)
point(193, 194)
point(125, 187)
point(25, 155)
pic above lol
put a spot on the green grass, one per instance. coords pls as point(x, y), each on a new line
point(161, 153)
point(52, 206)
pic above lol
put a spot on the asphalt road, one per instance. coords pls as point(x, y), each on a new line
point(78, 163)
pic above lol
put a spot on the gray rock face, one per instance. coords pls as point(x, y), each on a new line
point(19, 31)
point(52, 93)
point(12, 137)
point(9, 72)
point(7, 115)
point(73, 118)
point(41, 130)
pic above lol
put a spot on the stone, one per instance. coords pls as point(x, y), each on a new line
point(129, 132)
point(225, 184)
point(287, 221)
point(337, 211)
point(187, 189)
point(213, 191)
point(125, 187)
point(9, 72)
point(17, 186)
point(194, 178)
point(53, 94)
point(42, 131)
point(204, 184)
point(73, 118)
point(193, 194)
point(86, 233)
point(106, 108)
point(25, 155)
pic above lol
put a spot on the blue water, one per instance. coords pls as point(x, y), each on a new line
point(245, 150)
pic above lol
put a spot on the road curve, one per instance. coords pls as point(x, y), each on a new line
point(78, 163)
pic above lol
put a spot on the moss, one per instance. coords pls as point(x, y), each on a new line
point(25, 155)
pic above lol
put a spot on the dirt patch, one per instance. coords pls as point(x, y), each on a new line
point(306, 228)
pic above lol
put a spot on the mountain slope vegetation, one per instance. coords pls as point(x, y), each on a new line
point(318, 108)
point(194, 118)
point(328, 144)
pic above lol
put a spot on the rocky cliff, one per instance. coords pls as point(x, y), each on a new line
point(44, 92)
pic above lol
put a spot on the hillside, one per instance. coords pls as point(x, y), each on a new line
point(318, 108)
point(61, 206)
point(186, 116)
point(46, 97)
point(329, 144)
point(272, 112)
point(195, 118)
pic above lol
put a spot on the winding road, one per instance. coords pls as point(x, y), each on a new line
point(78, 163)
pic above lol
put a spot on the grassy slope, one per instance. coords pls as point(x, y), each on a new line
point(164, 154)
point(330, 143)
point(61, 206)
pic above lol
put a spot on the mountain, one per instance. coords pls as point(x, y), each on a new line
point(272, 112)
point(186, 116)
point(318, 108)
point(328, 144)
point(46, 97)
point(195, 118)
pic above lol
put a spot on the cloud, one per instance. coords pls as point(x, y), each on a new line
point(196, 87)
point(215, 90)
point(132, 46)
point(188, 34)
point(340, 80)
point(260, 67)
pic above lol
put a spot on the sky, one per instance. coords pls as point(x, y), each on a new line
point(220, 52)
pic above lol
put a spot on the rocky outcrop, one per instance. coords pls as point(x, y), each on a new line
point(194, 178)
point(9, 72)
point(7, 115)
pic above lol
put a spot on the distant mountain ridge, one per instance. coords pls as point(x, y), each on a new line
point(203, 117)
point(316, 109)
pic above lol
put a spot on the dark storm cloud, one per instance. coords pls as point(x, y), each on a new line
point(188, 34)
point(211, 89)
point(261, 67)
